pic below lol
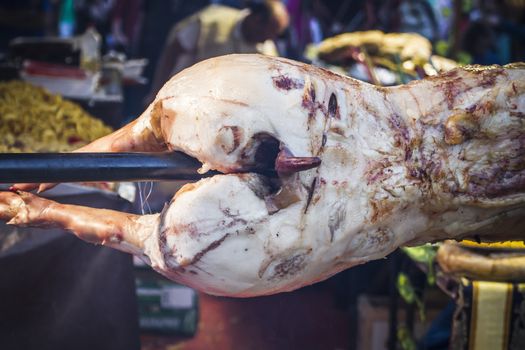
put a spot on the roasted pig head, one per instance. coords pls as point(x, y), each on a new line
point(321, 172)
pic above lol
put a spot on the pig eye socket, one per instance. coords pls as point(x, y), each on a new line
point(266, 151)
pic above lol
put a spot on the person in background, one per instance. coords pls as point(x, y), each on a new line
point(126, 25)
point(409, 16)
point(232, 3)
point(307, 25)
point(220, 30)
point(155, 20)
point(96, 13)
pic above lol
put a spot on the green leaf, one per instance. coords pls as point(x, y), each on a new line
point(405, 288)
point(442, 47)
point(464, 58)
point(408, 293)
point(424, 254)
point(405, 339)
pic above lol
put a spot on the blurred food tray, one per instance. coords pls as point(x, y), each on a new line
point(49, 49)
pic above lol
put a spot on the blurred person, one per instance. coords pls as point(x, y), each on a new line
point(231, 3)
point(410, 16)
point(312, 20)
point(308, 19)
point(96, 13)
point(354, 15)
point(159, 16)
point(126, 25)
point(220, 30)
point(156, 20)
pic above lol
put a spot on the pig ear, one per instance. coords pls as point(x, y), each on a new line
point(155, 113)
point(137, 136)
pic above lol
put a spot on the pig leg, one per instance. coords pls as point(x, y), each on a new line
point(122, 231)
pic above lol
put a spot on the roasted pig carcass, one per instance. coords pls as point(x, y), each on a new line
point(384, 48)
point(361, 170)
point(398, 52)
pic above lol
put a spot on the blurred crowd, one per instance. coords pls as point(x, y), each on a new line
point(173, 34)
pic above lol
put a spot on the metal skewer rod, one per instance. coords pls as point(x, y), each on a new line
point(93, 167)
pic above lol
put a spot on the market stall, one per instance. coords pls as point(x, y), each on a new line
point(247, 176)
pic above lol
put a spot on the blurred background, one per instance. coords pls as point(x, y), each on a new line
point(73, 70)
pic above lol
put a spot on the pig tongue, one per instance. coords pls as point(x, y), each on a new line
point(287, 164)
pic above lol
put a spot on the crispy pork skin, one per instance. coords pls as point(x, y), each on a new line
point(380, 168)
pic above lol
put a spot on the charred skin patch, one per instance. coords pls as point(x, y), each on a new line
point(212, 246)
point(335, 220)
point(455, 85)
point(284, 82)
point(463, 125)
point(309, 103)
point(161, 121)
point(289, 267)
point(433, 167)
point(451, 89)
point(235, 218)
point(378, 171)
point(401, 133)
point(510, 182)
point(381, 209)
point(311, 70)
point(459, 127)
point(379, 237)
point(479, 110)
point(311, 191)
point(190, 229)
point(503, 176)
point(402, 137)
point(500, 181)
point(337, 130)
point(490, 76)
point(333, 107)
point(156, 118)
point(280, 268)
point(418, 173)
